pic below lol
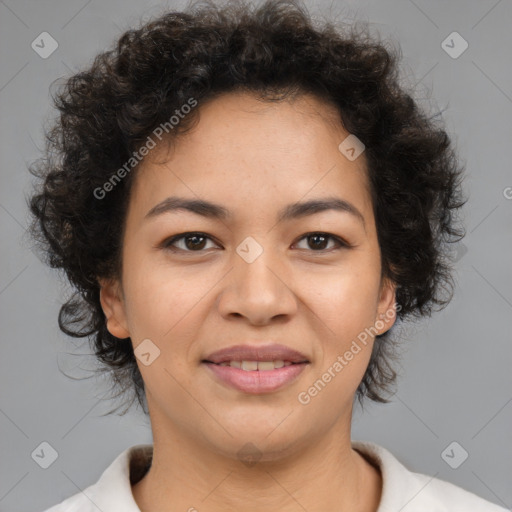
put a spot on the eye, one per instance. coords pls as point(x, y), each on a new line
point(192, 242)
point(320, 239)
point(197, 241)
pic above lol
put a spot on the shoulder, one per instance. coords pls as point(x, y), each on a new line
point(407, 491)
point(112, 491)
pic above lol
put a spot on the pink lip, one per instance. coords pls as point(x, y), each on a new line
point(274, 352)
point(257, 381)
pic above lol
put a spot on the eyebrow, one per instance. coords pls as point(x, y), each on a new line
point(292, 211)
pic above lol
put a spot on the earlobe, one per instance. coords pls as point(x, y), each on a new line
point(113, 307)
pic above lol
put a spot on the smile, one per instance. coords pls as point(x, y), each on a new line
point(256, 365)
point(255, 377)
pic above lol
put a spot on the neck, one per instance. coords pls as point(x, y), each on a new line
point(328, 474)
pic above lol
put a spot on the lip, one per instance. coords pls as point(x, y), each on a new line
point(247, 352)
point(256, 381)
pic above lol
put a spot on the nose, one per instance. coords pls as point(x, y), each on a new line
point(260, 291)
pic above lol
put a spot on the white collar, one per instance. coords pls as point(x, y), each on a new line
point(403, 490)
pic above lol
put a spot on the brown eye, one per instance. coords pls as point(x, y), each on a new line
point(196, 242)
point(191, 242)
point(319, 241)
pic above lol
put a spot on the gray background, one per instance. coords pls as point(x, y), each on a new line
point(456, 382)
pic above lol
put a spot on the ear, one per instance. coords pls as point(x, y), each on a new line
point(112, 303)
point(386, 309)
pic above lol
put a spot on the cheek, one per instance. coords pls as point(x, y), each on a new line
point(345, 300)
point(161, 307)
point(345, 309)
point(166, 303)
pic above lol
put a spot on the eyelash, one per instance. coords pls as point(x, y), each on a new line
point(167, 244)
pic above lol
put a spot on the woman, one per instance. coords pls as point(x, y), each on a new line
point(246, 206)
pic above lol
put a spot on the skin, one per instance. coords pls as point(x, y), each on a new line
point(253, 158)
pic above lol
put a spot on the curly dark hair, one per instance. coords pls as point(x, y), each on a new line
point(275, 51)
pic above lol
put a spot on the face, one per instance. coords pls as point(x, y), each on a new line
point(252, 272)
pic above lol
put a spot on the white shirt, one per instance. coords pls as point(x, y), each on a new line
point(403, 490)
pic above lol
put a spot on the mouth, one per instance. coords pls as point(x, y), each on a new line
point(255, 367)
point(255, 377)
point(251, 366)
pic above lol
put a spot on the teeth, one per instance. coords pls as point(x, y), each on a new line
point(249, 365)
point(256, 365)
point(266, 365)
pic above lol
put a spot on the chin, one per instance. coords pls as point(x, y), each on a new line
point(264, 444)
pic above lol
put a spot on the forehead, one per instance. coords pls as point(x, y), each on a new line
point(243, 121)
point(253, 151)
